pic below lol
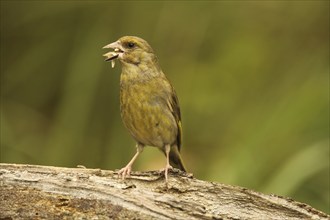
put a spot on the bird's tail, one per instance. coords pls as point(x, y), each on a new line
point(175, 158)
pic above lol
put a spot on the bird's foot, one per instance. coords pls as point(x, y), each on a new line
point(124, 172)
point(165, 170)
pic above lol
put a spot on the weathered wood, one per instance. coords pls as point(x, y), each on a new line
point(44, 192)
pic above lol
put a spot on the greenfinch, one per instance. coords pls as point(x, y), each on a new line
point(149, 106)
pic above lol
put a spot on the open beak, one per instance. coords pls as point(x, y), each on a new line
point(112, 55)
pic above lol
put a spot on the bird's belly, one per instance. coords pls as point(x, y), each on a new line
point(150, 123)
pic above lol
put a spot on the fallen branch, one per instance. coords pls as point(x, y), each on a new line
point(44, 192)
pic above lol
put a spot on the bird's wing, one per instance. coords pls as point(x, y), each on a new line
point(173, 104)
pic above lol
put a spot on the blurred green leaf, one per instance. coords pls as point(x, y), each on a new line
point(297, 169)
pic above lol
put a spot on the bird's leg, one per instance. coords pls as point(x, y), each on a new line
point(126, 171)
point(168, 166)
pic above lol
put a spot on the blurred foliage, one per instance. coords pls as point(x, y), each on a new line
point(252, 78)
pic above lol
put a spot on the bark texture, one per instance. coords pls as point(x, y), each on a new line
point(44, 192)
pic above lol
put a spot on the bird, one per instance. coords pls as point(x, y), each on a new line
point(149, 106)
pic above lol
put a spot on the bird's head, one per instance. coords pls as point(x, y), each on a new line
point(130, 50)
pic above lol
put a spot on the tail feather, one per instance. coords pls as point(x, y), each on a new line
point(175, 159)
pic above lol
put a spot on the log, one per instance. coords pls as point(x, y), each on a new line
point(45, 192)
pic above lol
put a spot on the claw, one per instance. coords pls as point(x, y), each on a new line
point(125, 172)
point(165, 170)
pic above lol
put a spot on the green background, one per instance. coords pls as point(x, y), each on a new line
point(252, 79)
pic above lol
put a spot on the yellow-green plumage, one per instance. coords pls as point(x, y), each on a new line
point(148, 103)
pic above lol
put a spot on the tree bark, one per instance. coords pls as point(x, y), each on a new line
point(44, 192)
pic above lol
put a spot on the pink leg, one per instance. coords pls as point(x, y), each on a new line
point(168, 166)
point(126, 171)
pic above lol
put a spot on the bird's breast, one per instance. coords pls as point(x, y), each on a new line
point(145, 113)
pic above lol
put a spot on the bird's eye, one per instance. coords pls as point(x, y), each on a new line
point(131, 44)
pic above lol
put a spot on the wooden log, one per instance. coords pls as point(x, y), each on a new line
point(44, 192)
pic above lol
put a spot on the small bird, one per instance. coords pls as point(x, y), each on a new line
point(149, 106)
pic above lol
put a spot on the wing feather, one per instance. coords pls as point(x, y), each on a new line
point(173, 104)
